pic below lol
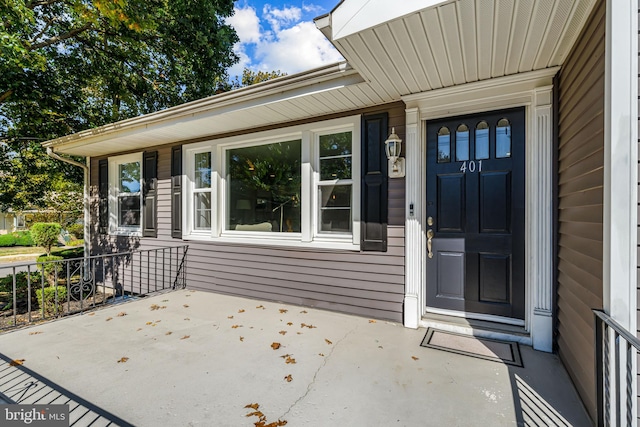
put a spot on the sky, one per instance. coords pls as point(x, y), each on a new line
point(281, 36)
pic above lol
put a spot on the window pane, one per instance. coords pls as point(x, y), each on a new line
point(337, 144)
point(444, 145)
point(482, 140)
point(462, 143)
point(129, 177)
point(335, 156)
point(336, 168)
point(335, 208)
point(202, 210)
point(503, 139)
point(202, 175)
point(128, 211)
point(264, 187)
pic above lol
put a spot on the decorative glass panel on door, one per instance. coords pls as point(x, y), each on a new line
point(444, 145)
point(462, 143)
point(503, 139)
point(482, 140)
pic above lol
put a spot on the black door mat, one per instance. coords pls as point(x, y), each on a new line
point(481, 348)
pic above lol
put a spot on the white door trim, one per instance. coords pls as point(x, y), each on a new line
point(532, 90)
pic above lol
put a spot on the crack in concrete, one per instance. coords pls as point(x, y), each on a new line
point(315, 375)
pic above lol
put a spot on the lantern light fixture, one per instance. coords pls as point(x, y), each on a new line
point(393, 148)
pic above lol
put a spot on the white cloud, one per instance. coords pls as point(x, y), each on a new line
point(246, 23)
point(280, 39)
point(296, 49)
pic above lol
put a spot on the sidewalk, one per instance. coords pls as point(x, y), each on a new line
point(194, 358)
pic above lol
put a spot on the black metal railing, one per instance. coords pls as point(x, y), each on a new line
point(38, 291)
point(616, 352)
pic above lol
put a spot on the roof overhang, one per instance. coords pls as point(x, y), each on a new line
point(413, 46)
point(322, 91)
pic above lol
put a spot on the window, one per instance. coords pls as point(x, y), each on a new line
point(335, 184)
point(125, 196)
point(462, 143)
point(444, 145)
point(503, 139)
point(291, 186)
point(482, 140)
point(202, 191)
point(263, 187)
point(20, 221)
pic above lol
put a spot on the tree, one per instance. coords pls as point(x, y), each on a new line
point(45, 234)
point(70, 65)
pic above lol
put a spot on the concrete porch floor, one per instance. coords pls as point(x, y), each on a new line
point(197, 358)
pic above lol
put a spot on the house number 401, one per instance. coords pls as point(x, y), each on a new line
point(471, 166)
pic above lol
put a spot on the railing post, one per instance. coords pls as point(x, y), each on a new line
point(599, 371)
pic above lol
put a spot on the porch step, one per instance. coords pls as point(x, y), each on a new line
point(477, 328)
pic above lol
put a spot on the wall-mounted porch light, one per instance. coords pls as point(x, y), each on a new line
point(393, 146)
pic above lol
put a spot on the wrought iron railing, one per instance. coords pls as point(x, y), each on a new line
point(38, 291)
point(616, 353)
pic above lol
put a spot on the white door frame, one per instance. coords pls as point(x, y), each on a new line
point(532, 90)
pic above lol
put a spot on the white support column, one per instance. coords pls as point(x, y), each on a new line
point(414, 239)
point(539, 214)
point(621, 162)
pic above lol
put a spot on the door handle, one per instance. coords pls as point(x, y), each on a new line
point(430, 235)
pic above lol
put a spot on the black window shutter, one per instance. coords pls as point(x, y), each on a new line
point(103, 196)
point(374, 197)
point(150, 194)
point(176, 192)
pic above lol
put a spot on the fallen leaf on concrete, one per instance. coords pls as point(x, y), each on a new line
point(254, 406)
point(108, 318)
point(241, 311)
point(148, 323)
point(17, 362)
point(236, 326)
point(121, 314)
point(256, 414)
point(304, 312)
point(123, 360)
point(379, 346)
point(189, 295)
point(288, 378)
point(372, 321)
point(415, 358)
point(283, 310)
point(282, 332)
point(304, 325)
point(275, 345)
point(229, 317)
point(35, 333)
point(168, 333)
point(185, 305)
point(288, 359)
point(321, 354)
point(260, 306)
point(299, 333)
point(289, 324)
point(327, 341)
point(154, 307)
point(185, 337)
point(91, 314)
point(165, 300)
point(139, 329)
point(186, 318)
point(241, 338)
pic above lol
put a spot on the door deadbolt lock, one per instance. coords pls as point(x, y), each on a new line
point(430, 221)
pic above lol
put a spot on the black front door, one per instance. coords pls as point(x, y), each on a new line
point(475, 213)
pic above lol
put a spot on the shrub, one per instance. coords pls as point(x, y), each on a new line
point(22, 286)
point(50, 268)
point(7, 240)
point(45, 234)
point(77, 230)
point(78, 242)
point(49, 302)
point(23, 238)
point(71, 253)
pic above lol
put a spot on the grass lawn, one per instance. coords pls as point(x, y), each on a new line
point(26, 250)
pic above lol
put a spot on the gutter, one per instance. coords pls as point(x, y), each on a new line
point(85, 196)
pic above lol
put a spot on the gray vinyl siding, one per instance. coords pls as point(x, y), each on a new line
point(369, 284)
point(580, 203)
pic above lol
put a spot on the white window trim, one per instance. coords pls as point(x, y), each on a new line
point(308, 236)
point(114, 174)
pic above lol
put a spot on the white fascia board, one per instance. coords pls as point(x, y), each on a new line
point(353, 16)
point(281, 89)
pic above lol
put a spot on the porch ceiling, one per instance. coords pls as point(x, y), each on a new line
point(419, 46)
